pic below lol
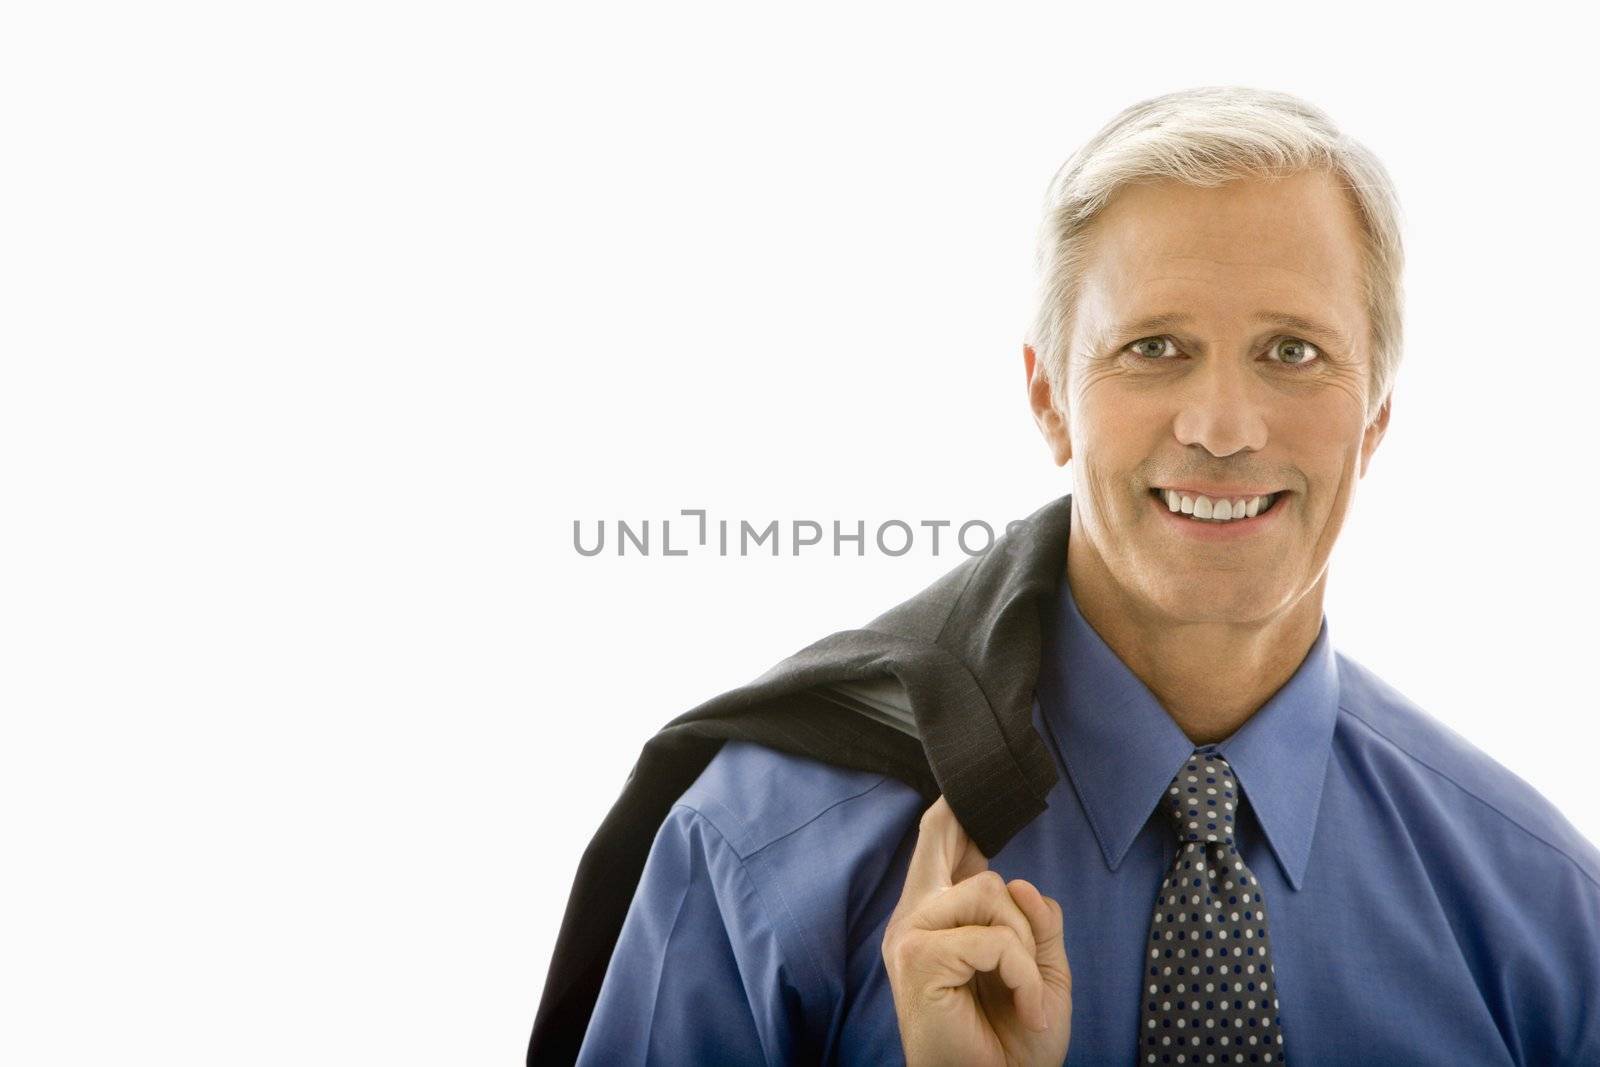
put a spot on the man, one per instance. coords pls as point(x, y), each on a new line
point(1173, 824)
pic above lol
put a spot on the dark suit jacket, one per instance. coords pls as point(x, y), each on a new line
point(965, 652)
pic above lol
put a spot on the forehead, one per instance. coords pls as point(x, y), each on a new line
point(1290, 245)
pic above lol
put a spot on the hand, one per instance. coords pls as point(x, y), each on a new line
point(977, 965)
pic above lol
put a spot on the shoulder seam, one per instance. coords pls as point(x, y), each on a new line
point(1419, 761)
point(758, 850)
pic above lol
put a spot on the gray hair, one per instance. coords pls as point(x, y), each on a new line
point(1205, 137)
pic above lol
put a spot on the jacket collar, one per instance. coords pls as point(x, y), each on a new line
point(1121, 748)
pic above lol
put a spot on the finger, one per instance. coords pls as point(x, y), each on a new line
point(982, 900)
point(941, 846)
point(1044, 917)
point(947, 959)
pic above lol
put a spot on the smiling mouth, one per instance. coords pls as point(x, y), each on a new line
point(1205, 509)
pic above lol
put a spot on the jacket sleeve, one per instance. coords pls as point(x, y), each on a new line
point(695, 976)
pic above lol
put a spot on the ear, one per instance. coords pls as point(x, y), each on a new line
point(1374, 434)
point(1052, 424)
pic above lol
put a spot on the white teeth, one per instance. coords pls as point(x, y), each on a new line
point(1203, 507)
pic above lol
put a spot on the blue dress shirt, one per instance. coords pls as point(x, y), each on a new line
point(1425, 905)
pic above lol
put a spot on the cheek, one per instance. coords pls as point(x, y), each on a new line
point(1107, 411)
point(1323, 440)
point(1116, 431)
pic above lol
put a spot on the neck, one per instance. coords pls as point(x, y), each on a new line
point(1210, 676)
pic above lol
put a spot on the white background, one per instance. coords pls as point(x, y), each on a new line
point(322, 322)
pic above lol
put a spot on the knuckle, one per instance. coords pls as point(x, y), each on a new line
point(901, 954)
point(990, 882)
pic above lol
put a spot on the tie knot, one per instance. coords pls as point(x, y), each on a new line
point(1203, 799)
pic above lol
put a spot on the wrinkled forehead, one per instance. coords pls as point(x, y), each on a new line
point(1227, 254)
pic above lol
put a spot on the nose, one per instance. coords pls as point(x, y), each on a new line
point(1220, 410)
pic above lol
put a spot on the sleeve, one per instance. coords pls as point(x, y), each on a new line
point(1561, 1005)
point(1541, 939)
point(695, 962)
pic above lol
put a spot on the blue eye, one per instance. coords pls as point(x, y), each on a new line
point(1301, 350)
point(1291, 351)
point(1147, 340)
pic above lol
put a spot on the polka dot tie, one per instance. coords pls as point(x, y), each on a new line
point(1210, 993)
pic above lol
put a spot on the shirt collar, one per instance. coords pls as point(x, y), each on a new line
point(1120, 747)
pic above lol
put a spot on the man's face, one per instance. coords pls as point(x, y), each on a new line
point(1219, 397)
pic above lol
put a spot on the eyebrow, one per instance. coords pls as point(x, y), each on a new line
point(1275, 318)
